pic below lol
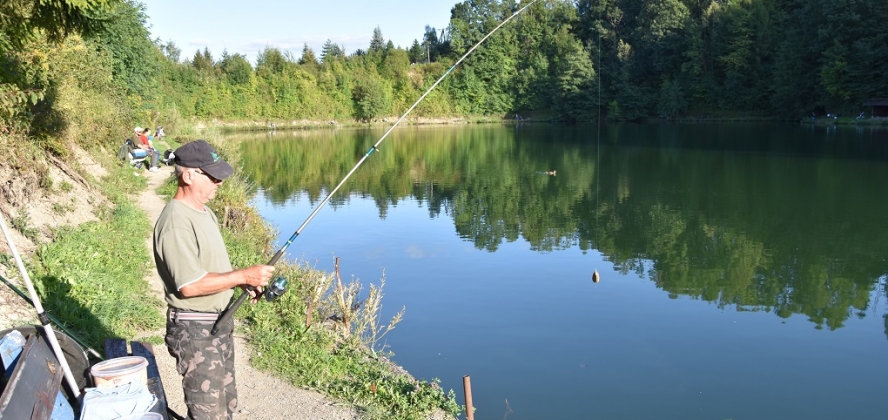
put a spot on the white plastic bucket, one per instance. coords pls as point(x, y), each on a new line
point(120, 370)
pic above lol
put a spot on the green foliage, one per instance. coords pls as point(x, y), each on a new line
point(133, 57)
point(20, 20)
point(672, 100)
point(371, 98)
point(271, 61)
point(765, 56)
point(236, 68)
point(308, 56)
point(576, 99)
point(22, 223)
point(28, 32)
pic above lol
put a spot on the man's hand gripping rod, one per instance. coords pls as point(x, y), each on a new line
point(232, 308)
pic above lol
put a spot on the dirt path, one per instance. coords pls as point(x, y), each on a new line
point(260, 395)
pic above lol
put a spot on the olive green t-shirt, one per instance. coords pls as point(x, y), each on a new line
point(187, 246)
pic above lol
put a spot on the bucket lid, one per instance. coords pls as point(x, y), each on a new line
point(119, 366)
point(142, 416)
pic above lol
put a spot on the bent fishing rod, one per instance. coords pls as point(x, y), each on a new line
point(278, 287)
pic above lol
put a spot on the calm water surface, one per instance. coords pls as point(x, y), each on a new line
point(743, 267)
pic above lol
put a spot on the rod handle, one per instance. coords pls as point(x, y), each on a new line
point(277, 256)
point(231, 309)
point(229, 312)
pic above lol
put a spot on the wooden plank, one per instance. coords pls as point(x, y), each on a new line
point(147, 351)
point(32, 390)
point(115, 347)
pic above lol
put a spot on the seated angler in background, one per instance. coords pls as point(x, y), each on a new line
point(140, 140)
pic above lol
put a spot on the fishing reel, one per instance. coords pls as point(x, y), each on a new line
point(276, 289)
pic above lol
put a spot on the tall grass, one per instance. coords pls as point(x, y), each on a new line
point(92, 275)
point(321, 335)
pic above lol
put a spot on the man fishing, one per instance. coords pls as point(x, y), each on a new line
point(198, 279)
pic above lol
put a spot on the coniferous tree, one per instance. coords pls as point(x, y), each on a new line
point(308, 56)
point(416, 53)
point(331, 51)
point(377, 42)
point(203, 61)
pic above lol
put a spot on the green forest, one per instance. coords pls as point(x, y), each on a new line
point(624, 60)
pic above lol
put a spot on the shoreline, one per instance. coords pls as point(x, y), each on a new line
point(254, 126)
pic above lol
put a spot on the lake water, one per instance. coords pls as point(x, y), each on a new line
point(743, 267)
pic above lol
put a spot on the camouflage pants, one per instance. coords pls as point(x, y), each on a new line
point(206, 363)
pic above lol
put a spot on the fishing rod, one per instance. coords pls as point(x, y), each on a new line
point(41, 314)
point(54, 320)
point(279, 286)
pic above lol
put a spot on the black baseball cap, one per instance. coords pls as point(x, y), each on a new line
point(199, 154)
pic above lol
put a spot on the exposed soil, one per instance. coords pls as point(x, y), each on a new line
point(68, 201)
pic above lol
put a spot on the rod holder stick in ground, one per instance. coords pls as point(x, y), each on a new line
point(467, 388)
point(232, 308)
point(41, 315)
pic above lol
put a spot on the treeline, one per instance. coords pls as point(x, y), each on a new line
point(567, 60)
point(671, 58)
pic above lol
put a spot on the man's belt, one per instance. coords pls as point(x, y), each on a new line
point(176, 314)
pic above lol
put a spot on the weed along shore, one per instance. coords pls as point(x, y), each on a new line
point(86, 234)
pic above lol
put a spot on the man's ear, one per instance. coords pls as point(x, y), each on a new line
point(188, 177)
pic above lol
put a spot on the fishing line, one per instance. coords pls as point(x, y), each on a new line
point(227, 314)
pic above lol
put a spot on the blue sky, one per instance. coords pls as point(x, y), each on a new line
point(248, 26)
